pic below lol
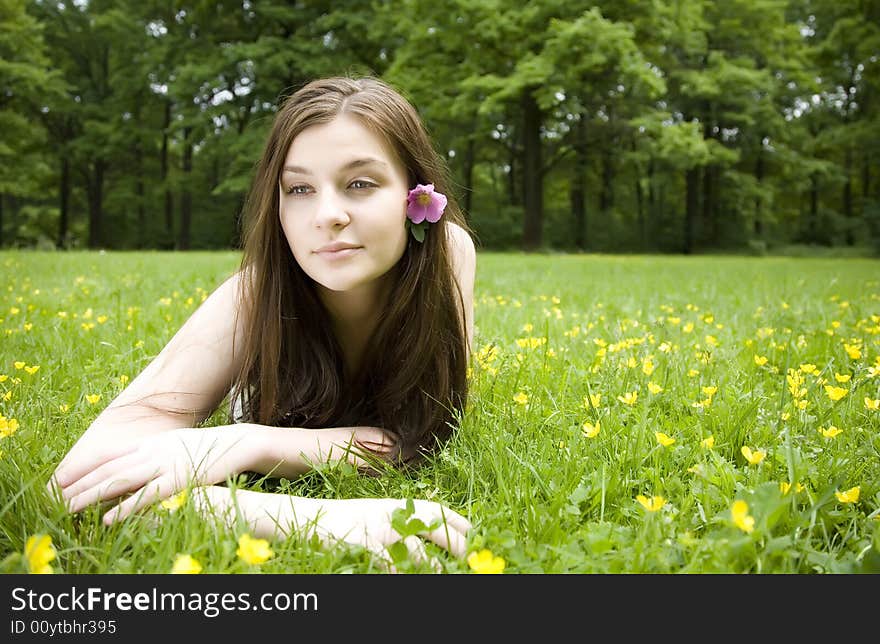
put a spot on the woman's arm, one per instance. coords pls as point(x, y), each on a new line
point(464, 266)
point(365, 522)
point(143, 443)
point(154, 467)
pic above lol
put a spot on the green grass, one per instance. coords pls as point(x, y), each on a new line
point(550, 331)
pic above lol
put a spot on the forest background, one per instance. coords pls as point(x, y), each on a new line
point(685, 126)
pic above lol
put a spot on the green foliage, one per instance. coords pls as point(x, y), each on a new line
point(720, 123)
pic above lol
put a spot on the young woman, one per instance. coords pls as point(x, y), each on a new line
point(344, 334)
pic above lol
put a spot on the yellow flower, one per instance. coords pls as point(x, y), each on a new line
point(39, 551)
point(174, 502)
point(521, 398)
point(33, 369)
point(760, 360)
point(93, 398)
point(7, 426)
point(785, 487)
point(63, 407)
point(708, 443)
point(835, 393)
point(709, 391)
point(693, 373)
point(653, 504)
point(485, 563)
point(872, 404)
point(739, 512)
point(654, 388)
point(809, 368)
point(831, 432)
point(589, 430)
point(753, 457)
point(853, 351)
point(842, 377)
point(592, 400)
point(647, 366)
point(18, 364)
point(186, 565)
point(850, 496)
point(253, 551)
point(629, 398)
point(664, 439)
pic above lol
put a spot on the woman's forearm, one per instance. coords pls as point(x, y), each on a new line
point(267, 515)
point(290, 452)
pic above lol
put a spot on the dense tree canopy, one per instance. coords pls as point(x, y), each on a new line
point(633, 125)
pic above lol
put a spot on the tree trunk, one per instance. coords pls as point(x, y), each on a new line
point(96, 204)
point(606, 195)
point(513, 188)
point(139, 190)
point(63, 204)
point(692, 204)
point(709, 227)
point(469, 160)
point(532, 178)
point(186, 196)
point(169, 205)
point(758, 221)
point(847, 197)
point(653, 201)
point(579, 185)
point(813, 226)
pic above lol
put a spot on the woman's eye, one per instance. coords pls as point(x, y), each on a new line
point(361, 184)
point(297, 190)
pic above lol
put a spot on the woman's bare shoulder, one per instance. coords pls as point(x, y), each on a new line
point(461, 245)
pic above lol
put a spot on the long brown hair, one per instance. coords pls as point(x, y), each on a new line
point(413, 377)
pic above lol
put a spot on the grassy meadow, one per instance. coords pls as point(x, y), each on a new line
point(628, 414)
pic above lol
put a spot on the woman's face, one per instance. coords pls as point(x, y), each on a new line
point(343, 205)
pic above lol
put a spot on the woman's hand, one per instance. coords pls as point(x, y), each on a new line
point(153, 468)
point(369, 523)
point(358, 445)
point(364, 522)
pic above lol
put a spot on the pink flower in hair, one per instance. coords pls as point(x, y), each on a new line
point(424, 203)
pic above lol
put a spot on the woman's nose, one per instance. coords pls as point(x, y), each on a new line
point(331, 210)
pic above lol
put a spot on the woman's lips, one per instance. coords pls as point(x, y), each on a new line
point(342, 253)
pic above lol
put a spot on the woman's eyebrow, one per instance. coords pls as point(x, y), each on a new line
point(356, 163)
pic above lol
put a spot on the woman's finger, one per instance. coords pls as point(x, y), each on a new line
point(114, 487)
point(446, 536)
point(74, 466)
point(418, 553)
point(107, 471)
point(157, 489)
point(452, 531)
point(454, 519)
